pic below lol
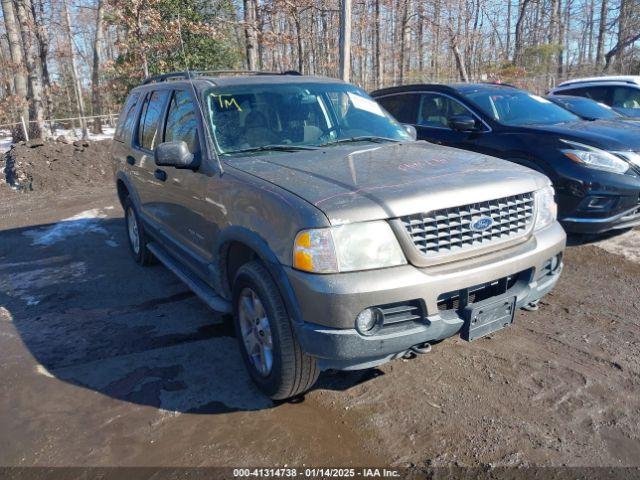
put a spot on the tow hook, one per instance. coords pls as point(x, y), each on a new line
point(421, 348)
point(532, 307)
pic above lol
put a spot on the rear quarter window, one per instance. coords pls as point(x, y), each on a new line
point(127, 118)
point(403, 106)
point(150, 119)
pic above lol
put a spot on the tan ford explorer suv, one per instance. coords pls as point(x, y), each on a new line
point(333, 237)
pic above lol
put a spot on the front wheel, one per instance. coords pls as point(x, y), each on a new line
point(270, 350)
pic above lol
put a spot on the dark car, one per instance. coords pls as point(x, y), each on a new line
point(588, 109)
point(594, 166)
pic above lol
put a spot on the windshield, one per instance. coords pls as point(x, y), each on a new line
point(288, 117)
point(515, 107)
point(588, 108)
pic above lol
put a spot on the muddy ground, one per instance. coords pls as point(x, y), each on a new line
point(103, 362)
point(55, 165)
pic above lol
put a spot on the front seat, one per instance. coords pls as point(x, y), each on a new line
point(257, 132)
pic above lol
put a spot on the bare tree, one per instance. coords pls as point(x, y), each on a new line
point(96, 99)
point(251, 34)
point(519, 37)
point(345, 40)
point(24, 11)
point(77, 85)
point(17, 57)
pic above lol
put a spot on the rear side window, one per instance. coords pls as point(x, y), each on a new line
point(181, 121)
point(150, 118)
point(403, 106)
point(626, 97)
point(599, 94)
point(127, 117)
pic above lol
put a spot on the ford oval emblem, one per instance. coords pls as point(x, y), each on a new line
point(480, 224)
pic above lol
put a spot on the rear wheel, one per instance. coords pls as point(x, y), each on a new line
point(135, 234)
point(270, 350)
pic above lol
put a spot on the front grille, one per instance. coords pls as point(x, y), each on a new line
point(457, 300)
point(446, 231)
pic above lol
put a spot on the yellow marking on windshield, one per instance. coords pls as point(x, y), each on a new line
point(227, 102)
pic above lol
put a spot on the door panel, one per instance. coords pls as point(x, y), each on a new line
point(433, 122)
point(183, 205)
point(143, 164)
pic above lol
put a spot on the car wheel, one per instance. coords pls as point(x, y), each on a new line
point(271, 352)
point(136, 235)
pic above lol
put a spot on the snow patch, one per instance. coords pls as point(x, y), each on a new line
point(6, 141)
point(80, 224)
point(23, 284)
point(626, 244)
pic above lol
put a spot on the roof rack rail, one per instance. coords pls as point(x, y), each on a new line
point(598, 80)
point(201, 73)
point(501, 84)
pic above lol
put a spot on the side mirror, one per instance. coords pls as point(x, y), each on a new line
point(411, 130)
point(462, 123)
point(173, 154)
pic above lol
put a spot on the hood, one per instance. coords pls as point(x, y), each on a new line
point(603, 134)
point(353, 184)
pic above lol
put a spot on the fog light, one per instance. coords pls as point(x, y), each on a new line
point(369, 321)
point(600, 203)
point(555, 263)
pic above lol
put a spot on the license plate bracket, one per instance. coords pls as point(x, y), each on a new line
point(488, 316)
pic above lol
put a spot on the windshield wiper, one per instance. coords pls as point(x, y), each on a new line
point(272, 148)
point(362, 138)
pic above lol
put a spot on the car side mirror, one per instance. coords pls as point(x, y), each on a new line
point(462, 123)
point(411, 130)
point(174, 154)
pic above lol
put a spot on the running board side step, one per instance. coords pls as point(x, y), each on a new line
point(201, 289)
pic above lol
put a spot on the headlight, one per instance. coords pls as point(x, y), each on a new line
point(347, 248)
point(633, 157)
point(595, 158)
point(546, 208)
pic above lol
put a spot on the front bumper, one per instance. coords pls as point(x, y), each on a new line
point(626, 219)
point(606, 202)
point(329, 304)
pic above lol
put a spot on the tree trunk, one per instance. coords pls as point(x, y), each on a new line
point(77, 85)
point(508, 48)
point(96, 99)
point(345, 40)
point(462, 70)
point(17, 59)
point(24, 12)
point(518, 47)
point(602, 28)
point(251, 35)
point(378, 51)
point(561, 32)
point(42, 34)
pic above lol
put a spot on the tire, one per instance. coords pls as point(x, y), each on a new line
point(291, 371)
point(136, 236)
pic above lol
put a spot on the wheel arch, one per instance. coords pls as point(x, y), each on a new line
point(125, 189)
point(237, 246)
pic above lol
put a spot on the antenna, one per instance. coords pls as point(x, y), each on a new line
point(207, 133)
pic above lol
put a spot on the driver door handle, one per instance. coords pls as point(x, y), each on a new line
point(131, 160)
point(160, 175)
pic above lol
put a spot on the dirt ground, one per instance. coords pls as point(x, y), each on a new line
point(55, 166)
point(104, 363)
